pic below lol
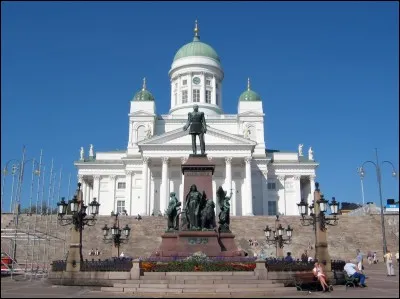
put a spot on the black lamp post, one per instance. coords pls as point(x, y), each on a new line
point(379, 178)
point(275, 237)
point(118, 236)
point(319, 215)
point(79, 219)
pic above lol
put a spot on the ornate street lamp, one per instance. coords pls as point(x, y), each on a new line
point(117, 236)
point(322, 208)
point(79, 219)
point(275, 237)
point(361, 172)
point(319, 221)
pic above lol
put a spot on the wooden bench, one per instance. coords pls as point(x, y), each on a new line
point(307, 281)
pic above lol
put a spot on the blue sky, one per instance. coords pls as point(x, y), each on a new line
point(327, 73)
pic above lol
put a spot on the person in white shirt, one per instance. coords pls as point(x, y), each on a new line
point(122, 254)
point(353, 271)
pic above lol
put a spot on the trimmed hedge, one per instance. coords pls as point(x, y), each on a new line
point(191, 266)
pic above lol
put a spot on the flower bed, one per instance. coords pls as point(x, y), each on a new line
point(190, 266)
point(197, 262)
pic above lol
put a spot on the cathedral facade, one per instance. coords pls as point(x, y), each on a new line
point(138, 180)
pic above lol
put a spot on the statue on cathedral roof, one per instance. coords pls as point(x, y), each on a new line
point(300, 150)
point(82, 152)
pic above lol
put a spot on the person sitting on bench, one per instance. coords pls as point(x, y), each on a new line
point(319, 273)
point(353, 271)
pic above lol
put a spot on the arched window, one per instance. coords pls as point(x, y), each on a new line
point(141, 133)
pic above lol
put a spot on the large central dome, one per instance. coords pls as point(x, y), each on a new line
point(196, 48)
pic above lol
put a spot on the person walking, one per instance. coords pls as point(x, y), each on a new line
point(397, 257)
point(389, 263)
point(359, 260)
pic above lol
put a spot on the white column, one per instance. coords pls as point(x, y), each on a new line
point(112, 179)
point(264, 182)
point(203, 90)
point(130, 142)
point(165, 184)
point(150, 201)
point(144, 197)
point(83, 188)
point(128, 193)
point(152, 195)
point(312, 189)
point(293, 209)
point(214, 91)
point(249, 197)
point(190, 95)
point(228, 182)
point(181, 190)
point(281, 194)
point(96, 188)
point(179, 91)
point(173, 91)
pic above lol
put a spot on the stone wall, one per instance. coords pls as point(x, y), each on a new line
point(351, 233)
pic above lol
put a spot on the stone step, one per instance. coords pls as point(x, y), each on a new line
point(210, 281)
point(210, 276)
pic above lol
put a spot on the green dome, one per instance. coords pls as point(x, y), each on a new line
point(143, 95)
point(249, 95)
point(196, 48)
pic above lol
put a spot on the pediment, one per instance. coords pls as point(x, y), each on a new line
point(251, 113)
point(212, 137)
point(141, 113)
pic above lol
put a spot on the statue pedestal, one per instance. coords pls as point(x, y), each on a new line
point(198, 170)
point(185, 243)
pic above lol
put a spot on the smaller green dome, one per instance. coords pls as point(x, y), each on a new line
point(249, 95)
point(143, 95)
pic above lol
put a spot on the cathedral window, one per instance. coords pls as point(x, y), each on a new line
point(121, 185)
point(184, 96)
point(184, 82)
point(120, 206)
point(208, 96)
point(216, 85)
point(271, 186)
point(141, 133)
point(196, 95)
point(272, 208)
point(176, 98)
point(208, 82)
point(217, 99)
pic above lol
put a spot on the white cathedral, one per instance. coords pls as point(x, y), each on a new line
point(138, 180)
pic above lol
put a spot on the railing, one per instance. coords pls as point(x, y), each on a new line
point(58, 266)
point(115, 264)
point(275, 265)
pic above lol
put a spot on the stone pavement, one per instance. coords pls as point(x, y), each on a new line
point(379, 286)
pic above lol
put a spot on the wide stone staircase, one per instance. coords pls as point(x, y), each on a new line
point(351, 233)
point(201, 284)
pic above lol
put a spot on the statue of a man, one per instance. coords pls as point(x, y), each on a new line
point(310, 154)
point(91, 154)
point(172, 212)
point(82, 152)
point(148, 131)
point(198, 127)
point(193, 204)
point(225, 207)
point(300, 150)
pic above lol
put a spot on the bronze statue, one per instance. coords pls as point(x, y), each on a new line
point(197, 123)
point(193, 205)
point(208, 216)
point(172, 212)
point(224, 206)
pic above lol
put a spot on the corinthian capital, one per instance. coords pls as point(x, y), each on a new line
point(296, 177)
point(129, 172)
point(112, 177)
point(146, 160)
point(228, 160)
point(165, 160)
point(247, 159)
point(183, 160)
point(96, 176)
point(312, 177)
point(281, 178)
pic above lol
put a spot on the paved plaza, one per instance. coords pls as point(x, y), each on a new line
point(379, 286)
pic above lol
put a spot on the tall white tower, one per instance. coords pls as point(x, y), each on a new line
point(196, 77)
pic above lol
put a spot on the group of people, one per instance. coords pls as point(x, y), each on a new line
point(94, 252)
